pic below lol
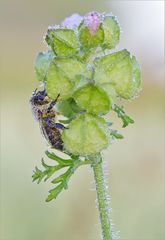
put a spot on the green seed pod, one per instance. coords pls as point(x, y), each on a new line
point(68, 108)
point(111, 31)
point(62, 41)
point(66, 75)
point(42, 64)
point(58, 83)
point(89, 41)
point(73, 69)
point(85, 135)
point(122, 71)
point(93, 99)
point(110, 90)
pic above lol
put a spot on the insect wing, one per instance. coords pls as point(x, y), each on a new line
point(52, 135)
point(44, 131)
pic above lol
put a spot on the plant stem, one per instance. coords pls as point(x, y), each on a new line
point(102, 198)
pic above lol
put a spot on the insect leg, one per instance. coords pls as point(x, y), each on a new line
point(52, 104)
point(34, 92)
point(53, 124)
point(60, 126)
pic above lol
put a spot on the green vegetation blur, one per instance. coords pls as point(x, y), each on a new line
point(134, 166)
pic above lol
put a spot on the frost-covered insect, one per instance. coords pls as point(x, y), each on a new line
point(44, 112)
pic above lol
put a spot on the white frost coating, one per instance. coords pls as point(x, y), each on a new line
point(103, 196)
point(115, 235)
point(53, 27)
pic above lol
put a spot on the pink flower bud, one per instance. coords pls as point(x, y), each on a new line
point(92, 20)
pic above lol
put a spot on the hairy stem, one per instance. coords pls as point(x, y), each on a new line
point(102, 198)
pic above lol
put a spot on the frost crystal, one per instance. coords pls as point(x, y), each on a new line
point(54, 27)
point(92, 20)
point(72, 21)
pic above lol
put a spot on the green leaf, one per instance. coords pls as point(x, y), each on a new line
point(88, 40)
point(65, 177)
point(115, 134)
point(111, 32)
point(63, 42)
point(66, 75)
point(53, 193)
point(59, 160)
point(109, 124)
point(63, 180)
point(42, 63)
point(38, 175)
point(93, 99)
point(73, 163)
point(121, 114)
point(120, 70)
point(86, 135)
point(46, 173)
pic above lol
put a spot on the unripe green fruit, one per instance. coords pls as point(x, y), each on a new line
point(65, 75)
point(111, 32)
point(91, 41)
point(86, 135)
point(93, 99)
point(42, 63)
point(62, 41)
point(122, 71)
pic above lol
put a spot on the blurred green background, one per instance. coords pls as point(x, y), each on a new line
point(135, 165)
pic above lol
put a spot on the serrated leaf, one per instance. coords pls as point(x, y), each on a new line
point(120, 70)
point(63, 179)
point(59, 178)
point(38, 175)
point(63, 42)
point(121, 114)
point(111, 31)
point(61, 161)
point(48, 170)
point(42, 64)
point(53, 193)
point(93, 99)
point(85, 135)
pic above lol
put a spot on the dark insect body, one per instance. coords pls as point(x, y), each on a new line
point(44, 112)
